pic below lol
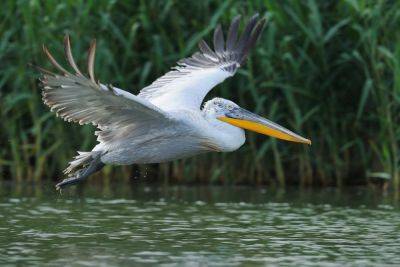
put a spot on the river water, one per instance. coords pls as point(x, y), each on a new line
point(198, 226)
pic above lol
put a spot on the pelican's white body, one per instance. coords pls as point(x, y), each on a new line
point(194, 132)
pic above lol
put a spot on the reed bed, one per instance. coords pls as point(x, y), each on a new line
point(329, 70)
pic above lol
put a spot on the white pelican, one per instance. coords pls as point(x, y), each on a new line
point(164, 121)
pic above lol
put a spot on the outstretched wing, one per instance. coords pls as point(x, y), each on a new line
point(189, 82)
point(77, 98)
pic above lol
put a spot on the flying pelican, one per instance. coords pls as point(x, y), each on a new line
point(164, 121)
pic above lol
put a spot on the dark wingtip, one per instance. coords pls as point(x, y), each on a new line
point(255, 34)
point(258, 30)
point(236, 48)
point(219, 42)
point(233, 33)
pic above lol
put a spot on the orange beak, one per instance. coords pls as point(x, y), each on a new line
point(249, 121)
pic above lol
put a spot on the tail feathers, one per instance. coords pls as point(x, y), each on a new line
point(81, 160)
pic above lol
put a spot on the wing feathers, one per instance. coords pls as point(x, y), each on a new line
point(76, 98)
point(189, 82)
point(252, 40)
point(70, 58)
point(244, 38)
point(207, 52)
point(233, 33)
point(219, 41)
point(54, 62)
point(91, 54)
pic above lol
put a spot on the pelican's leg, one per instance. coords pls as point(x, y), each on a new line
point(78, 177)
point(81, 175)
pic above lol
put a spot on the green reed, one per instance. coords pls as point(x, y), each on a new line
point(329, 70)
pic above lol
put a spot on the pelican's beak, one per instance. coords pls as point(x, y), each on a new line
point(245, 119)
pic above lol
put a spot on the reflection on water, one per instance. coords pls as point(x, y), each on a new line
point(198, 225)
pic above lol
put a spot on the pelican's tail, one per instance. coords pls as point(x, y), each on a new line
point(83, 165)
point(79, 161)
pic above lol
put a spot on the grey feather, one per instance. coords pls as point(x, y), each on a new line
point(233, 33)
point(206, 50)
point(244, 38)
point(219, 41)
point(77, 98)
point(68, 53)
point(54, 62)
point(253, 39)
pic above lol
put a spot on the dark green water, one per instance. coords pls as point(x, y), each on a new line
point(197, 226)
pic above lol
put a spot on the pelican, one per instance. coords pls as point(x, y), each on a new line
point(166, 120)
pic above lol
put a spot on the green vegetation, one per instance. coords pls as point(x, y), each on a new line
point(329, 70)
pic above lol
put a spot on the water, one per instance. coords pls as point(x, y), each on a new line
point(197, 226)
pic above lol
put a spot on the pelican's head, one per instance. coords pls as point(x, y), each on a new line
point(229, 112)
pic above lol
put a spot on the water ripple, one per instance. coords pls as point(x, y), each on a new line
point(123, 231)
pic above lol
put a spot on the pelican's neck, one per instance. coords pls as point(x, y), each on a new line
point(227, 137)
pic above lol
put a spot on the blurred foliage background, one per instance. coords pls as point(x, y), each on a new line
point(329, 70)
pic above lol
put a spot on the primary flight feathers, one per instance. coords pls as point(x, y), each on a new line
point(77, 98)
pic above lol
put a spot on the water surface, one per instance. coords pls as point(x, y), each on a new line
point(224, 226)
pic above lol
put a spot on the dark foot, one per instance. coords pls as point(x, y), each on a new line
point(69, 181)
point(82, 174)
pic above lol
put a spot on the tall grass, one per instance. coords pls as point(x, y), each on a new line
point(329, 70)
